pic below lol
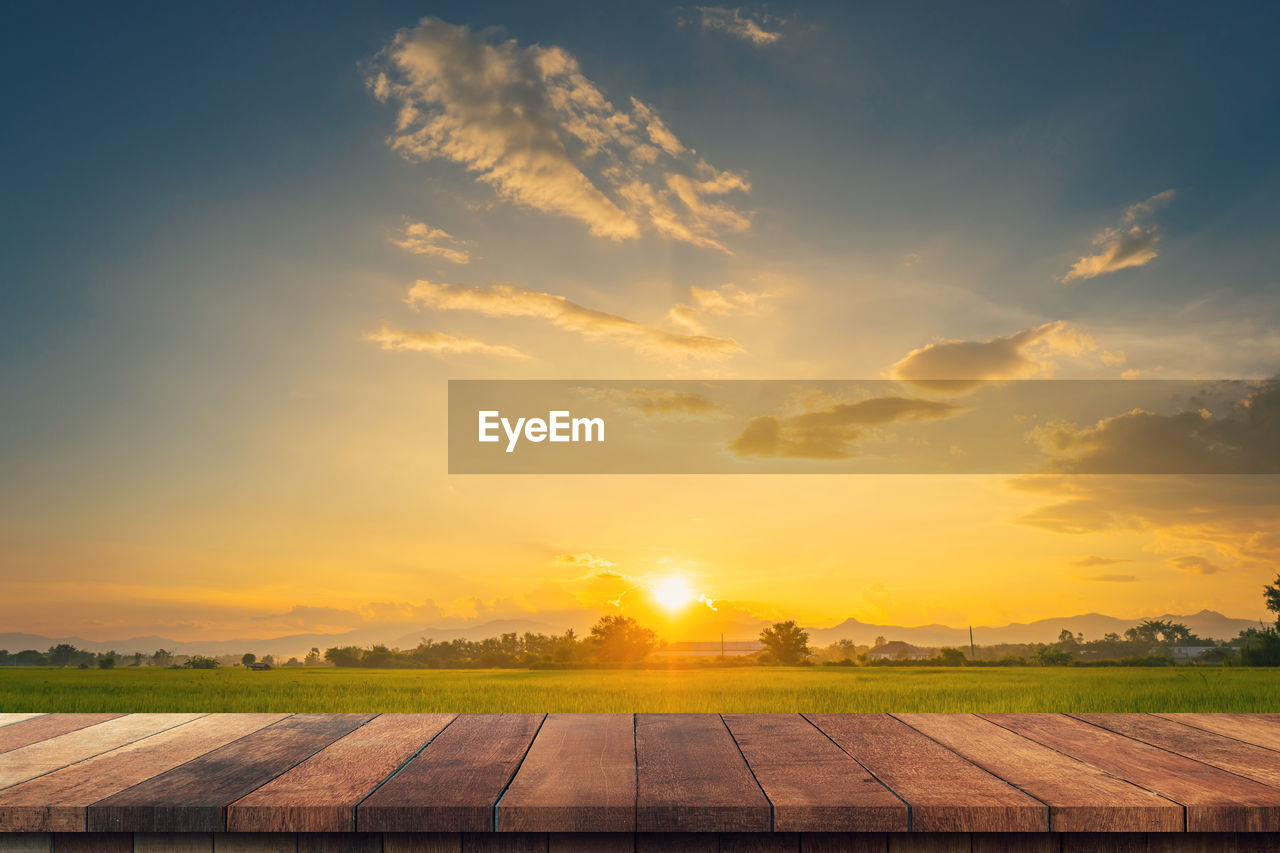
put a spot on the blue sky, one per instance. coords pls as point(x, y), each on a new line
point(203, 209)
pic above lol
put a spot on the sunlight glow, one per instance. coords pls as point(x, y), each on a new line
point(672, 593)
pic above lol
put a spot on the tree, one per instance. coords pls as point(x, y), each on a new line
point(1047, 656)
point(312, 658)
point(951, 657)
point(786, 641)
point(162, 657)
point(201, 662)
point(107, 661)
point(248, 659)
point(620, 639)
point(879, 641)
point(61, 654)
point(1271, 595)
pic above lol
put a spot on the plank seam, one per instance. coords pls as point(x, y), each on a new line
point(1176, 718)
point(1172, 751)
point(493, 809)
point(869, 771)
point(1103, 770)
point(750, 769)
point(355, 809)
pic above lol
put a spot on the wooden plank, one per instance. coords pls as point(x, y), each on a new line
point(421, 842)
point(692, 778)
point(10, 719)
point(26, 732)
point(930, 842)
point(93, 842)
point(1243, 759)
point(59, 801)
point(1216, 801)
point(194, 796)
point(255, 842)
point(1257, 729)
point(1105, 842)
point(946, 793)
point(173, 842)
point(759, 842)
point(321, 793)
point(26, 842)
point(843, 842)
point(1016, 842)
point(579, 776)
point(677, 842)
point(1080, 797)
point(339, 842)
point(504, 842)
point(453, 784)
point(813, 784)
point(591, 842)
point(43, 757)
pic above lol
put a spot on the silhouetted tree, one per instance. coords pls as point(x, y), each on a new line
point(786, 641)
point(62, 654)
point(1271, 596)
point(248, 659)
point(620, 639)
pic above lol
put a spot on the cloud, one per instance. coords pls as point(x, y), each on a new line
point(1093, 562)
point(1113, 578)
point(1131, 243)
point(422, 239)
point(960, 365)
point(723, 301)
point(658, 403)
point(406, 340)
point(747, 27)
point(508, 300)
point(828, 432)
point(1243, 440)
point(527, 122)
point(1195, 564)
point(587, 560)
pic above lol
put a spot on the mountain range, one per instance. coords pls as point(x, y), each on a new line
point(1206, 623)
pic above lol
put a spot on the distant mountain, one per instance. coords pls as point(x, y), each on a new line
point(1206, 623)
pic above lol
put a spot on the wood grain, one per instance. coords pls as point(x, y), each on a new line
point(339, 842)
point(421, 842)
point(813, 784)
point(453, 784)
point(321, 793)
point(58, 802)
point(25, 732)
point(1216, 801)
point(10, 719)
point(930, 842)
point(93, 842)
point(843, 842)
point(591, 842)
point(255, 842)
point(677, 842)
point(579, 775)
point(1019, 842)
point(26, 842)
point(504, 842)
point(1080, 797)
point(1104, 842)
point(194, 796)
point(759, 842)
point(36, 759)
point(946, 793)
point(172, 842)
point(1243, 759)
point(1257, 729)
point(692, 777)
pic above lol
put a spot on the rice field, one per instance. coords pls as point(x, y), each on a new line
point(753, 689)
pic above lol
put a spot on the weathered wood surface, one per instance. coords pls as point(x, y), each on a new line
point(567, 782)
point(454, 784)
point(193, 797)
point(1215, 800)
point(579, 776)
point(946, 793)
point(691, 777)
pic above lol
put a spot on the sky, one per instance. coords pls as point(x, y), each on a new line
point(245, 247)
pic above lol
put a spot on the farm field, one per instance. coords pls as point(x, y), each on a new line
point(754, 689)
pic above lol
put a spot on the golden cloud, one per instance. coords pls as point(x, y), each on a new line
point(1129, 244)
point(961, 365)
point(828, 433)
point(421, 239)
point(407, 340)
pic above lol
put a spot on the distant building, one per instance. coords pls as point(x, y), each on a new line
point(259, 665)
point(898, 650)
point(1188, 653)
point(712, 649)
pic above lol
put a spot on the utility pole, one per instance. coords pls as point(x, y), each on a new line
point(972, 656)
point(722, 645)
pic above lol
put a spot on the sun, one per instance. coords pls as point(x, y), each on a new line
point(672, 593)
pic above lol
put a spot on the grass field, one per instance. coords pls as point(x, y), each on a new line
point(755, 689)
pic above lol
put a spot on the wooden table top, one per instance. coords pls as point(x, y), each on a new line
point(640, 773)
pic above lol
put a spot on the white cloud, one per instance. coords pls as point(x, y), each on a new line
point(747, 27)
point(422, 239)
point(529, 123)
point(1131, 243)
point(508, 300)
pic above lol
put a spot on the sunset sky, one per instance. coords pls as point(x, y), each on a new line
point(245, 247)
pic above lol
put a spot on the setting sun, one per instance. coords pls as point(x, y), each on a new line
point(672, 593)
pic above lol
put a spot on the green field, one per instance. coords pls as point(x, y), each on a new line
point(753, 689)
